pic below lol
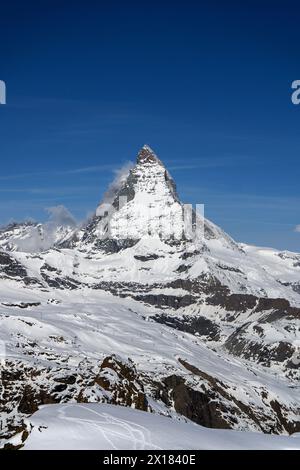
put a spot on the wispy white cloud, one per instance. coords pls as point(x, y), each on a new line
point(60, 215)
point(90, 169)
point(297, 228)
point(120, 176)
point(61, 191)
point(209, 162)
point(222, 197)
point(87, 169)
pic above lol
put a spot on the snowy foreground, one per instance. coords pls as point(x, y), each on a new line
point(67, 335)
point(109, 427)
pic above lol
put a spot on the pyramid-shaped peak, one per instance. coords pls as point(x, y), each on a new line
point(147, 155)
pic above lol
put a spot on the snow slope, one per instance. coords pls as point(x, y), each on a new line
point(96, 427)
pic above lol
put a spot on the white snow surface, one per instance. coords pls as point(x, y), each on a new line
point(109, 427)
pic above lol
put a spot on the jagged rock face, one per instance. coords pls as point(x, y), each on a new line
point(121, 381)
point(24, 388)
point(11, 269)
point(212, 411)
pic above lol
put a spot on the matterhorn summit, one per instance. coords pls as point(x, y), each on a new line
point(145, 205)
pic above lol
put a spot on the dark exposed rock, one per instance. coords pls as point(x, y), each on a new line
point(113, 246)
point(279, 419)
point(230, 268)
point(68, 379)
point(211, 404)
point(233, 302)
point(258, 329)
point(60, 282)
point(242, 302)
point(274, 304)
point(290, 312)
point(191, 324)
point(31, 399)
point(239, 344)
point(10, 268)
point(197, 406)
point(282, 351)
point(289, 425)
point(147, 258)
point(59, 388)
point(47, 267)
point(22, 305)
point(182, 268)
point(121, 380)
point(163, 300)
point(190, 254)
point(24, 388)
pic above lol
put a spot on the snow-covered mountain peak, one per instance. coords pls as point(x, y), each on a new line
point(145, 205)
point(151, 176)
point(147, 155)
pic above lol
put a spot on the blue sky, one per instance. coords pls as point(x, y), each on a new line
point(206, 84)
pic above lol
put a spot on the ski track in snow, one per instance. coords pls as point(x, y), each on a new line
point(115, 427)
point(139, 435)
